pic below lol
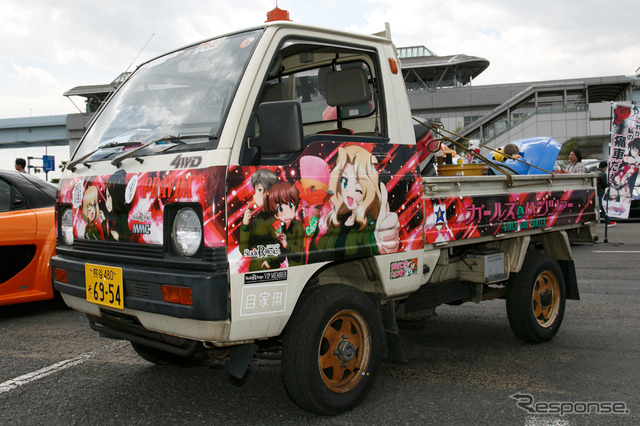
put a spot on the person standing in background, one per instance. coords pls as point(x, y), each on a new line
point(602, 184)
point(575, 162)
point(20, 165)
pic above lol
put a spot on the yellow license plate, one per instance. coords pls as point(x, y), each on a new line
point(104, 285)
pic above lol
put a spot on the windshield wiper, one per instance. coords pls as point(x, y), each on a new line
point(209, 139)
point(177, 139)
point(72, 165)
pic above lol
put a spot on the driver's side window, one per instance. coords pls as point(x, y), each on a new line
point(310, 89)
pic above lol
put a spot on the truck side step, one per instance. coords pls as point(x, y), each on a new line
point(431, 295)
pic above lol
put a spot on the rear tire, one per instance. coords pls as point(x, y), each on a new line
point(536, 299)
point(331, 349)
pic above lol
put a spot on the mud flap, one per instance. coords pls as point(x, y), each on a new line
point(394, 346)
point(240, 357)
point(582, 235)
point(570, 279)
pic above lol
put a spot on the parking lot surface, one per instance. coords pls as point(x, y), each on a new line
point(465, 366)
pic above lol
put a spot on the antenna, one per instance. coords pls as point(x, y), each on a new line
point(143, 47)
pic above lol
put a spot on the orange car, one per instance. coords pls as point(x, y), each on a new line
point(27, 237)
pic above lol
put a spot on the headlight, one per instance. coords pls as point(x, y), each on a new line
point(67, 227)
point(187, 232)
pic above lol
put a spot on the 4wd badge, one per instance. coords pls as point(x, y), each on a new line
point(181, 162)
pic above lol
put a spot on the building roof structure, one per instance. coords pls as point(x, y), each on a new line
point(424, 70)
point(96, 94)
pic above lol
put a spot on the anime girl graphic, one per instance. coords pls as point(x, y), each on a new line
point(623, 181)
point(115, 225)
point(282, 202)
point(313, 189)
point(360, 223)
point(91, 214)
point(257, 235)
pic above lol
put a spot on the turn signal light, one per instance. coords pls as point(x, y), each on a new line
point(179, 295)
point(61, 275)
point(393, 65)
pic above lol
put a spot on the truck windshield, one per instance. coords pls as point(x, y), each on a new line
point(185, 94)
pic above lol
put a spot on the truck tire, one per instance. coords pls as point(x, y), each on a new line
point(536, 299)
point(331, 349)
point(160, 357)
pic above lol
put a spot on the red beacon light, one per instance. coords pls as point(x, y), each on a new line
point(277, 15)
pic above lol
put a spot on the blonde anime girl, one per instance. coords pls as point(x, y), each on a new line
point(360, 223)
point(91, 214)
point(355, 185)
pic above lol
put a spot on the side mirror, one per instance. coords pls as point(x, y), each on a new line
point(280, 128)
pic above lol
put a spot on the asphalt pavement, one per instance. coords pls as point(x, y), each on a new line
point(465, 366)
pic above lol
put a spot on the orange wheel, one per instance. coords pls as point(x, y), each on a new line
point(344, 351)
point(546, 298)
point(331, 349)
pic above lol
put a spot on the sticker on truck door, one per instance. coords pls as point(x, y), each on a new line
point(335, 202)
point(263, 299)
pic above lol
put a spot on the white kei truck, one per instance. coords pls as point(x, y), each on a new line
point(265, 191)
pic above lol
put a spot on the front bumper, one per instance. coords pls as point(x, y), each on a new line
point(142, 288)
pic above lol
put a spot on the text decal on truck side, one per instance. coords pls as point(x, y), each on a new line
point(459, 218)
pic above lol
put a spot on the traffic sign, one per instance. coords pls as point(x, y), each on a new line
point(48, 163)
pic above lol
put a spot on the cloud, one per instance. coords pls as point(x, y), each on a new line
point(489, 31)
point(34, 77)
point(78, 42)
point(33, 92)
point(54, 46)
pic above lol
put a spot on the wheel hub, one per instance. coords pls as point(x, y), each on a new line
point(345, 351)
point(545, 299)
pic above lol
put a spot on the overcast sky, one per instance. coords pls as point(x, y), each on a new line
point(48, 47)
